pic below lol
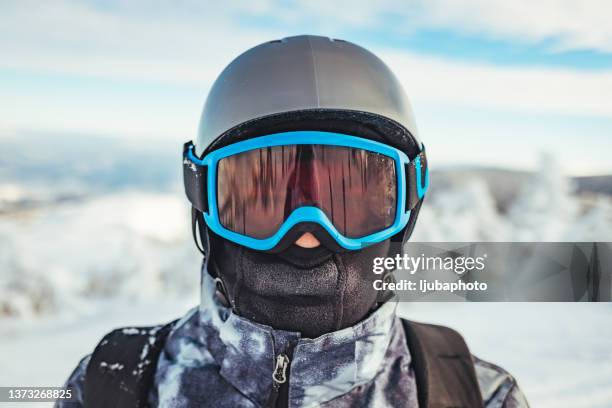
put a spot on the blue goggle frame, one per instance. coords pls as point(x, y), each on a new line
point(201, 182)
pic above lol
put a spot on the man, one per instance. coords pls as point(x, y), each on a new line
point(306, 167)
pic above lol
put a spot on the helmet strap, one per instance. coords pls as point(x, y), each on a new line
point(198, 225)
point(198, 228)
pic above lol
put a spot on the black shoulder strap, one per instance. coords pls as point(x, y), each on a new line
point(443, 367)
point(121, 369)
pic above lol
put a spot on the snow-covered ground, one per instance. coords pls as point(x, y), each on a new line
point(76, 262)
point(560, 353)
point(125, 245)
point(43, 352)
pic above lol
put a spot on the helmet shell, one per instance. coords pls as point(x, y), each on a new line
point(301, 74)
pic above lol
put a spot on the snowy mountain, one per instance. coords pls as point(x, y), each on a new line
point(40, 169)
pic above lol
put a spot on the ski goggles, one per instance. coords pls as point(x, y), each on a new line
point(253, 192)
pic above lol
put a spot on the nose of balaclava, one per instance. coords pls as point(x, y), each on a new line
point(309, 290)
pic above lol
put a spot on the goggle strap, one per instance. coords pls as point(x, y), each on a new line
point(416, 184)
point(194, 178)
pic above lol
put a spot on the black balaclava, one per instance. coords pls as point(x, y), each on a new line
point(313, 291)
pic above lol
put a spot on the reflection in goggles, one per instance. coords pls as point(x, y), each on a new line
point(258, 189)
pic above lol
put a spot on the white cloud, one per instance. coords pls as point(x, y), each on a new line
point(130, 43)
point(192, 41)
point(531, 90)
point(563, 24)
point(191, 45)
point(567, 24)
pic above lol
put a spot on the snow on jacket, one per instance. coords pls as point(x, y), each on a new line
point(215, 358)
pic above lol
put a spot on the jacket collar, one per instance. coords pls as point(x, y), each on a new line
point(321, 368)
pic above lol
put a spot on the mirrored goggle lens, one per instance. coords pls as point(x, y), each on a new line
point(258, 190)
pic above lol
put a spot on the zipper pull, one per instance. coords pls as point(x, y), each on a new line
point(280, 371)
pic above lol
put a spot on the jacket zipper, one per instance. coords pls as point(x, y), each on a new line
point(279, 397)
point(280, 371)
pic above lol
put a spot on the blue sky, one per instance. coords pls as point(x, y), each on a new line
point(491, 82)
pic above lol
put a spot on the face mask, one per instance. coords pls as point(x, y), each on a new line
point(312, 291)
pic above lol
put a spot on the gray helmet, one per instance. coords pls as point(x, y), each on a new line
point(309, 83)
point(308, 79)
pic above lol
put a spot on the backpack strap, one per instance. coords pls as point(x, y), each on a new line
point(122, 367)
point(443, 367)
